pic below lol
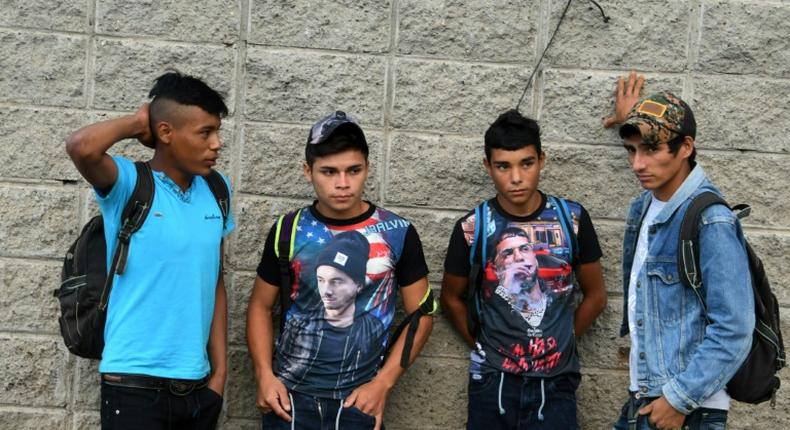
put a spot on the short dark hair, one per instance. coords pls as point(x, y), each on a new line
point(339, 141)
point(512, 131)
point(184, 90)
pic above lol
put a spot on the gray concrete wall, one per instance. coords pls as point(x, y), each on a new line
point(424, 78)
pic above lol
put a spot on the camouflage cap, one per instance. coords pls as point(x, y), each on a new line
point(659, 118)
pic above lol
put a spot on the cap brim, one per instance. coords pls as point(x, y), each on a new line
point(629, 129)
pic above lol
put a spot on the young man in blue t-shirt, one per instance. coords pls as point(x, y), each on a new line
point(524, 369)
point(164, 360)
point(350, 260)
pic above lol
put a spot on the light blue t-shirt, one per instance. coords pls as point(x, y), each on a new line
point(160, 309)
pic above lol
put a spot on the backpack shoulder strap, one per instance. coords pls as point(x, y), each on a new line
point(136, 211)
point(688, 252)
point(220, 191)
point(284, 238)
point(477, 261)
point(132, 218)
point(566, 223)
point(688, 244)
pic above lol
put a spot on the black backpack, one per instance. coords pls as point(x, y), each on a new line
point(285, 236)
point(756, 380)
point(85, 285)
point(479, 247)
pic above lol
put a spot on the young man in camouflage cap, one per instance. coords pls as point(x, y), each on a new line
point(679, 365)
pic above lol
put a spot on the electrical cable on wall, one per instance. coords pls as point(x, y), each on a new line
point(556, 29)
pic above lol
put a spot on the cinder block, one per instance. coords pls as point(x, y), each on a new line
point(606, 186)
point(206, 21)
point(241, 387)
point(86, 377)
point(418, 399)
point(643, 35)
point(86, 420)
point(45, 69)
point(35, 371)
point(32, 143)
point(760, 180)
point(501, 30)
point(33, 420)
point(600, 397)
point(306, 86)
point(773, 249)
point(747, 118)
point(574, 104)
point(444, 342)
point(610, 238)
point(740, 37)
point(50, 15)
point(601, 347)
point(254, 217)
point(241, 424)
point(125, 70)
point(455, 97)
point(37, 222)
point(273, 156)
point(26, 301)
point(434, 229)
point(361, 26)
point(239, 288)
point(437, 171)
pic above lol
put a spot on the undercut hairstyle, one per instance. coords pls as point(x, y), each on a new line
point(512, 131)
point(339, 141)
point(183, 90)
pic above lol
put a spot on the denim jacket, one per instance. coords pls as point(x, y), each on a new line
point(679, 356)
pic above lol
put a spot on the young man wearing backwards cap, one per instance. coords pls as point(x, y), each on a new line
point(524, 369)
point(350, 259)
point(170, 303)
point(679, 364)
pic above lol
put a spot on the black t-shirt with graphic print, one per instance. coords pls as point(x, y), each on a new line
point(378, 252)
point(527, 300)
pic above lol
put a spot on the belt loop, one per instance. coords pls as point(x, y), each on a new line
point(633, 412)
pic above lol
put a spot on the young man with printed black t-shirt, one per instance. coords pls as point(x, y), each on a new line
point(350, 259)
point(524, 369)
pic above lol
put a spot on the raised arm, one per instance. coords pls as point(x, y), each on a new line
point(88, 146)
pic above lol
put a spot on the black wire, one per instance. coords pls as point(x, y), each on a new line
point(603, 14)
point(540, 60)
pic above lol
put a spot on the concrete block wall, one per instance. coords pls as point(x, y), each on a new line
point(424, 78)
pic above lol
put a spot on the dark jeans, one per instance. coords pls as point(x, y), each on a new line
point(700, 419)
point(126, 408)
point(515, 403)
point(314, 413)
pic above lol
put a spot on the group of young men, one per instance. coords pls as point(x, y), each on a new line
point(513, 268)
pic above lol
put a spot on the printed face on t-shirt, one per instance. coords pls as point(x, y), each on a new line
point(338, 292)
point(516, 264)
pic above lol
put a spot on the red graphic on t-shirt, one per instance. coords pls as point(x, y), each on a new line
point(539, 356)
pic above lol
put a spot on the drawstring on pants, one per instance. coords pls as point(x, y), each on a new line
point(542, 398)
point(339, 411)
point(293, 411)
point(499, 397)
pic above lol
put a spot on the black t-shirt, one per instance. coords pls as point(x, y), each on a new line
point(527, 303)
point(341, 269)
